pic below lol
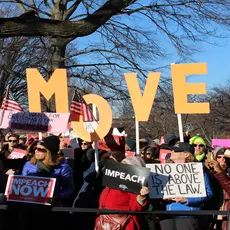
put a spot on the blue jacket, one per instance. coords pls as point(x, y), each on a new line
point(88, 196)
point(64, 178)
point(193, 203)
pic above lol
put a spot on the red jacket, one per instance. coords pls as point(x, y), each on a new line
point(119, 200)
point(224, 180)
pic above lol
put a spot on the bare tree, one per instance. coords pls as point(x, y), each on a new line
point(122, 42)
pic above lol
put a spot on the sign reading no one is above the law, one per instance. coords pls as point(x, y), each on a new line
point(176, 180)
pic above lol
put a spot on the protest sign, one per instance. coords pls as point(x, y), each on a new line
point(129, 154)
point(125, 177)
point(221, 143)
point(27, 189)
point(17, 154)
point(91, 126)
point(176, 180)
point(73, 139)
point(39, 122)
point(164, 155)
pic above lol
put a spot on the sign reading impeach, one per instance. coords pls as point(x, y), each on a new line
point(125, 177)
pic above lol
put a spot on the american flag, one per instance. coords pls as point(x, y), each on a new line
point(79, 107)
point(9, 103)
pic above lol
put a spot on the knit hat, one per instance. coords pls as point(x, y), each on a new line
point(130, 143)
point(51, 143)
point(134, 160)
point(197, 139)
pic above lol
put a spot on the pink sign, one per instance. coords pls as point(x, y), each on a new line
point(28, 189)
point(17, 154)
point(129, 154)
point(39, 122)
point(164, 155)
point(221, 142)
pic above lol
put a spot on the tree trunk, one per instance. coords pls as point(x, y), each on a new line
point(56, 60)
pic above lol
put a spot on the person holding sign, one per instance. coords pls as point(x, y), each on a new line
point(120, 200)
point(183, 153)
point(44, 163)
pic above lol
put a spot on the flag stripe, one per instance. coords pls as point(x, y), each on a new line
point(10, 104)
point(79, 106)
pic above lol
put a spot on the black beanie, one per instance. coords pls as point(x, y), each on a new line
point(51, 143)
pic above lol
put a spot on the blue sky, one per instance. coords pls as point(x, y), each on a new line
point(218, 61)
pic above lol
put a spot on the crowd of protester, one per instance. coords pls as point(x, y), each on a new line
point(79, 185)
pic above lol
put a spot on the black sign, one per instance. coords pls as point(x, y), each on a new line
point(125, 177)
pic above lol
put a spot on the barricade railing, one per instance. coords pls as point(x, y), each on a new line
point(109, 211)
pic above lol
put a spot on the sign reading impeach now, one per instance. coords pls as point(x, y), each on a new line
point(28, 189)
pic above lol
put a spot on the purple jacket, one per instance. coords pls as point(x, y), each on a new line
point(64, 178)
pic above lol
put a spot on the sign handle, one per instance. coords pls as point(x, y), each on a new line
point(180, 127)
point(137, 137)
point(96, 154)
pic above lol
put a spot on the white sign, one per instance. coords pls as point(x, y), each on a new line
point(176, 180)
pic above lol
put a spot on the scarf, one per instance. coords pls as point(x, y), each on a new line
point(200, 157)
point(44, 170)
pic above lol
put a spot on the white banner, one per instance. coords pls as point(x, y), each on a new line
point(176, 180)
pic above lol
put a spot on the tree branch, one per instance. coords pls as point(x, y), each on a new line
point(30, 25)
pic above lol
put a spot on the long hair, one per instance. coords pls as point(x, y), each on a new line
point(49, 161)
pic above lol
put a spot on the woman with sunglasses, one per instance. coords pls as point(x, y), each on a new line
point(199, 145)
point(45, 163)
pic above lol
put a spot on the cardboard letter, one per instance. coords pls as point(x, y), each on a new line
point(105, 115)
point(142, 105)
point(181, 89)
point(57, 85)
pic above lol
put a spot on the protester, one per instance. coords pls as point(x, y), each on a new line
point(119, 200)
point(130, 145)
point(87, 154)
point(151, 155)
point(45, 164)
point(200, 146)
point(183, 153)
point(219, 167)
point(89, 194)
point(12, 166)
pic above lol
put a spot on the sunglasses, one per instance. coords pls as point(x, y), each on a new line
point(219, 157)
point(84, 143)
point(195, 145)
point(14, 141)
point(40, 150)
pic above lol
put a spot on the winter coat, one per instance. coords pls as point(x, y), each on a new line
point(64, 178)
point(224, 180)
point(193, 203)
point(119, 200)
